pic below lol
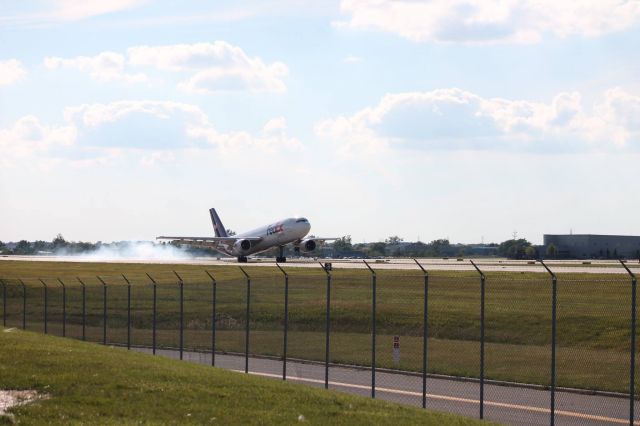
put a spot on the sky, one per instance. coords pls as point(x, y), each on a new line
point(462, 119)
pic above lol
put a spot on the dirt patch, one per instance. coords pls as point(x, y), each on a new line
point(15, 398)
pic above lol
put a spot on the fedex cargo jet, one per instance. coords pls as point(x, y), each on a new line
point(278, 234)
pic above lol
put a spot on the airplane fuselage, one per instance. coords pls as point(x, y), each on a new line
point(277, 234)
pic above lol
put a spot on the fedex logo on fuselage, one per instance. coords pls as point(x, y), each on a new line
point(274, 229)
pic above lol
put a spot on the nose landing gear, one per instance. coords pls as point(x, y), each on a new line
point(242, 259)
point(281, 258)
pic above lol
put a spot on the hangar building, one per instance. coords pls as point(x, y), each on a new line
point(583, 246)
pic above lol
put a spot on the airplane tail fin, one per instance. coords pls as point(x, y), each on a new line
point(218, 227)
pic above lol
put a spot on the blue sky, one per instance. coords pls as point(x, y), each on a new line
point(460, 119)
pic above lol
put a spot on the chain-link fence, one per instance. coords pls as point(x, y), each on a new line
point(522, 347)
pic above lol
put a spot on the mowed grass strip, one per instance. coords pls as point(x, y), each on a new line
point(90, 384)
point(593, 316)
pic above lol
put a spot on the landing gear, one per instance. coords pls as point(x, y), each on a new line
point(281, 258)
point(242, 259)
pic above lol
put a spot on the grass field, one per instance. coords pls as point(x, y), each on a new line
point(593, 316)
point(89, 384)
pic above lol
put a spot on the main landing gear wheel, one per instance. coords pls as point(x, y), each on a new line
point(281, 259)
point(242, 259)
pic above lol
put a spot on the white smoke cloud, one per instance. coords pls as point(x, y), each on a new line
point(132, 250)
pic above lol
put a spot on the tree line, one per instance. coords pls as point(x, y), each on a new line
point(393, 246)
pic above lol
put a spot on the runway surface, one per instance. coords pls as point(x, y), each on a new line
point(505, 404)
point(430, 264)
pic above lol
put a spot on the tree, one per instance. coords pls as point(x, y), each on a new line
point(231, 232)
point(343, 244)
point(552, 251)
point(393, 240)
point(3, 247)
point(377, 249)
point(23, 247)
point(438, 247)
point(39, 246)
point(514, 249)
point(530, 252)
point(59, 242)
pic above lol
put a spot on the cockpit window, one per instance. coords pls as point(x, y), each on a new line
point(302, 219)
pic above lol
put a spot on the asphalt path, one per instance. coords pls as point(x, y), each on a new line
point(430, 264)
point(517, 405)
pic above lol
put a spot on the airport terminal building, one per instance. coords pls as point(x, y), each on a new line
point(583, 246)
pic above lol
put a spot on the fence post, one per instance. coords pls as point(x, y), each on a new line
point(554, 300)
point(246, 332)
point(24, 305)
point(104, 310)
point(45, 304)
point(327, 326)
point(4, 303)
point(153, 320)
point(632, 367)
point(286, 322)
point(128, 312)
point(213, 319)
point(482, 288)
point(181, 287)
point(84, 309)
point(64, 308)
point(373, 330)
point(425, 334)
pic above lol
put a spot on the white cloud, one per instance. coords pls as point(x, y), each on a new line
point(457, 119)
point(47, 12)
point(481, 21)
point(202, 67)
point(217, 66)
point(95, 115)
point(28, 138)
point(106, 66)
point(73, 10)
point(152, 132)
point(11, 71)
point(271, 138)
point(158, 157)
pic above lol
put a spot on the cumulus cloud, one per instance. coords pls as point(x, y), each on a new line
point(482, 21)
point(28, 137)
point(272, 137)
point(106, 66)
point(11, 71)
point(457, 119)
point(154, 132)
point(201, 67)
point(217, 66)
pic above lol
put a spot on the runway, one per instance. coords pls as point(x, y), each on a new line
point(514, 405)
point(487, 265)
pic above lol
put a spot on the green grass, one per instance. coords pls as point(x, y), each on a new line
point(593, 316)
point(89, 384)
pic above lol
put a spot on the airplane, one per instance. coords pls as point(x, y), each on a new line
point(278, 234)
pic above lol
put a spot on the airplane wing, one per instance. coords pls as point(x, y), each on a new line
point(322, 240)
point(197, 240)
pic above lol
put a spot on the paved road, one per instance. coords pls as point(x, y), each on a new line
point(511, 405)
point(487, 265)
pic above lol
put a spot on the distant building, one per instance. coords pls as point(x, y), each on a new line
point(582, 246)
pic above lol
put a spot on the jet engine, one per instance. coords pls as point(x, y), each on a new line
point(307, 245)
point(242, 246)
